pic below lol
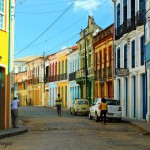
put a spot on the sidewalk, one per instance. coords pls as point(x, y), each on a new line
point(140, 124)
point(13, 131)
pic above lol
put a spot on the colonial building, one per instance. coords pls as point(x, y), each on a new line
point(103, 63)
point(85, 76)
point(62, 80)
point(130, 80)
point(6, 56)
point(51, 78)
point(73, 66)
point(35, 82)
point(147, 43)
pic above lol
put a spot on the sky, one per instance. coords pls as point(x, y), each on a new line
point(50, 26)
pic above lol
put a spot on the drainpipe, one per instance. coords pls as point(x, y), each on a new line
point(114, 47)
point(144, 13)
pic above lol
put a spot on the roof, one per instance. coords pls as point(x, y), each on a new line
point(26, 59)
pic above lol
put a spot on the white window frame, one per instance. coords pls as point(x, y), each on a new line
point(2, 16)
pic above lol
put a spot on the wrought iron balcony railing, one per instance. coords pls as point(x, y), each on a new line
point(80, 73)
point(72, 76)
point(129, 25)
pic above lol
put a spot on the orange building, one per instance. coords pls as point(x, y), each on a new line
point(104, 63)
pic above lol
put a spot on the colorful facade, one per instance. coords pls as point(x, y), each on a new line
point(62, 80)
point(103, 63)
point(6, 51)
point(73, 65)
point(35, 82)
point(129, 52)
point(147, 44)
point(51, 78)
point(85, 76)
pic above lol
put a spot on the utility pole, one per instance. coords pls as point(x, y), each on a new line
point(85, 61)
point(44, 78)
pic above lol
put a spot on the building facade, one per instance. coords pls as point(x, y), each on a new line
point(35, 81)
point(51, 78)
point(104, 63)
point(73, 66)
point(85, 76)
point(147, 43)
point(6, 55)
point(130, 84)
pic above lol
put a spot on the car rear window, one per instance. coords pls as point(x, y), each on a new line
point(82, 102)
point(112, 102)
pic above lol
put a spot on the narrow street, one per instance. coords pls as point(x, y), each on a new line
point(47, 131)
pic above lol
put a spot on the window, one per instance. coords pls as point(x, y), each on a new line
point(142, 49)
point(133, 53)
point(142, 5)
point(118, 15)
point(118, 58)
point(125, 56)
point(66, 65)
point(19, 69)
point(132, 8)
point(62, 67)
point(1, 14)
point(47, 71)
point(125, 10)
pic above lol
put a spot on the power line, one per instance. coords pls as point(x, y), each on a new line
point(59, 2)
point(52, 25)
point(47, 28)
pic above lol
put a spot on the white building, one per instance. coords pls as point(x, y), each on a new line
point(147, 43)
point(73, 66)
point(130, 54)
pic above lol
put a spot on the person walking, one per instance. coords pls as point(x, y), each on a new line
point(14, 111)
point(58, 104)
point(103, 108)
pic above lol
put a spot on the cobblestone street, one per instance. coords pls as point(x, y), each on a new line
point(47, 131)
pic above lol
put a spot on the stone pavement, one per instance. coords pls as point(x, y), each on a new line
point(142, 125)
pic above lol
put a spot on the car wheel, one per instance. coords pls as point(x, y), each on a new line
point(74, 113)
point(90, 117)
point(96, 117)
point(70, 111)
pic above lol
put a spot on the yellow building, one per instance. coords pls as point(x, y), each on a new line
point(6, 52)
point(62, 75)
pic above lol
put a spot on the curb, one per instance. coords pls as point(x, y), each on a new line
point(13, 134)
point(135, 125)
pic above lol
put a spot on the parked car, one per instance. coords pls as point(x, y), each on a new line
point(80, 106)
point(114, 110)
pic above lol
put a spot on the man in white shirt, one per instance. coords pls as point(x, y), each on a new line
point(14, 111)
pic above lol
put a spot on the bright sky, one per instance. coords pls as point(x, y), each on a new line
point(51, 25)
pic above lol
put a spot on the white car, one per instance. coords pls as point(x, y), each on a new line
point(114, 110)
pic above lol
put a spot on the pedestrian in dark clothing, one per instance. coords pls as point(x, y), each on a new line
point(103, 108)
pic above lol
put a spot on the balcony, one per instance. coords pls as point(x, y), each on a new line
point(129, 25)
point(98, 74)
point(80, 73)
point(139, 18)
point(72, 76)
point(53, 78)
point(62, 77)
